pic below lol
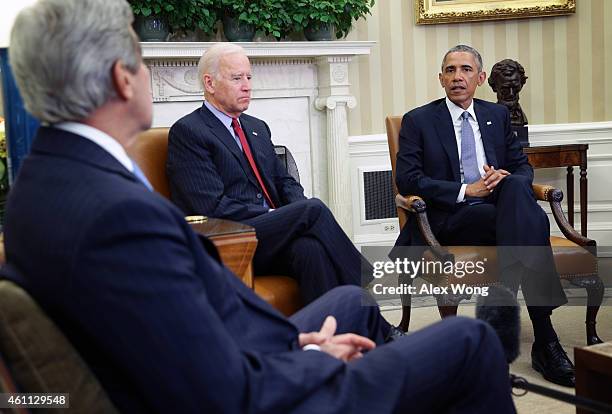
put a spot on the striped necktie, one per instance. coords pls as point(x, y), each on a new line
point(469, 162)
point(249, 156)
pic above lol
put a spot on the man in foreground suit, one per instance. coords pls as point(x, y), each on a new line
point(210, 173)
point(461, 157)
point(163, 325)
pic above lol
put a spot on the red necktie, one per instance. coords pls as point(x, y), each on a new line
point(249, 155)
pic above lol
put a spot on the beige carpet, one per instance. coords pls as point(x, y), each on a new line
point(569, 324)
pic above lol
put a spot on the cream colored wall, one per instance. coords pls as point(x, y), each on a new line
point(565, 58)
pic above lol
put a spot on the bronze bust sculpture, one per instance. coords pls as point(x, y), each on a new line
point(507, 79)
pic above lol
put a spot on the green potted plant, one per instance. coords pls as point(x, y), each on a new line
point(353, 11)
point(319, 18)
point(151, 19)
point(153, 16)
point(191, 15)
point(241, 19)
point(274, 19)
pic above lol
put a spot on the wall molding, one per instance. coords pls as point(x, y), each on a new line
point(545, 134)
point(387, 239)
point(581, 127)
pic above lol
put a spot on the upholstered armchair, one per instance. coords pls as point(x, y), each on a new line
point(39, 358)
point(573, 254)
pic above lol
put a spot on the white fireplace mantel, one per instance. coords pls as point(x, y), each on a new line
point(152, 50)
point(301, 89)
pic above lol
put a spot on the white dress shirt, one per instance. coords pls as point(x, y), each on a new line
point(226, 120)
point(456, 112)
point(108, 143)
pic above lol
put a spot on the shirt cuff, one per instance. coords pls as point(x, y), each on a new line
point(311, 347)
point(461, 196)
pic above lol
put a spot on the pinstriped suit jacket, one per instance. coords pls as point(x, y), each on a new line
point(162, 324)
point(208, 173)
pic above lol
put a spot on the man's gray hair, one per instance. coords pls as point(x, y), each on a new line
point(209, 62)
point(62, 53)
point(464, 48)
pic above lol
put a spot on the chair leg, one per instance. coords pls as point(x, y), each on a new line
point(594, 298)
point(595, 290)
point(405, 322)
point(447, 311)
point(406, 302)
point(448, 304)
point(591, 329)
point(406, 307)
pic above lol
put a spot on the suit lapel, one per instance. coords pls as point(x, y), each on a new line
point(485, 123)
point(223, 135)
point(252, 140)
point(446, 134)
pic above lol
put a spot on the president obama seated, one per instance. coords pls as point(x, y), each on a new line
point(459, 154)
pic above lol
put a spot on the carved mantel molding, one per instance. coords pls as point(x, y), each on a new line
point(317, 70)
point(151, 50)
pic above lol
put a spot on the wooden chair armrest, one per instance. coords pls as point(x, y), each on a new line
point(554, 196)
point(417, 206)
point(411, 203)
point(543, 192)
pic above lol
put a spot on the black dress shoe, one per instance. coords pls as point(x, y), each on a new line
point(552, 362)
point(394, 334)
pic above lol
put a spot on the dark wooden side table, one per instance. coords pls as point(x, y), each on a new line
point(594, 373)
point(569, 155)
point(236, 243)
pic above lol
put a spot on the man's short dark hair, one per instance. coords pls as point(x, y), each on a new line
point(468, 49)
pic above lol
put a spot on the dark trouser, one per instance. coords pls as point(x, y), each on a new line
point(512, 219)
point(304, 241)
point(454, 366)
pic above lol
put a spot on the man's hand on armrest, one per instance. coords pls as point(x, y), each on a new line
point(345, 347)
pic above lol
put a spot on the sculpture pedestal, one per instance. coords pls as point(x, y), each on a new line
point(522, 133)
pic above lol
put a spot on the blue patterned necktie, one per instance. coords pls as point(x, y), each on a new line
point(140, 175)
point(471, 174)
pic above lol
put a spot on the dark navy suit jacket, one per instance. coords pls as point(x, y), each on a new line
point(208, 174)
point(206, 168)
point(162, 324)
point(428, 160)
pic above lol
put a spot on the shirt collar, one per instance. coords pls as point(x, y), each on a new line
point(108, 143)
point(456, 110)
point(221, 116)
